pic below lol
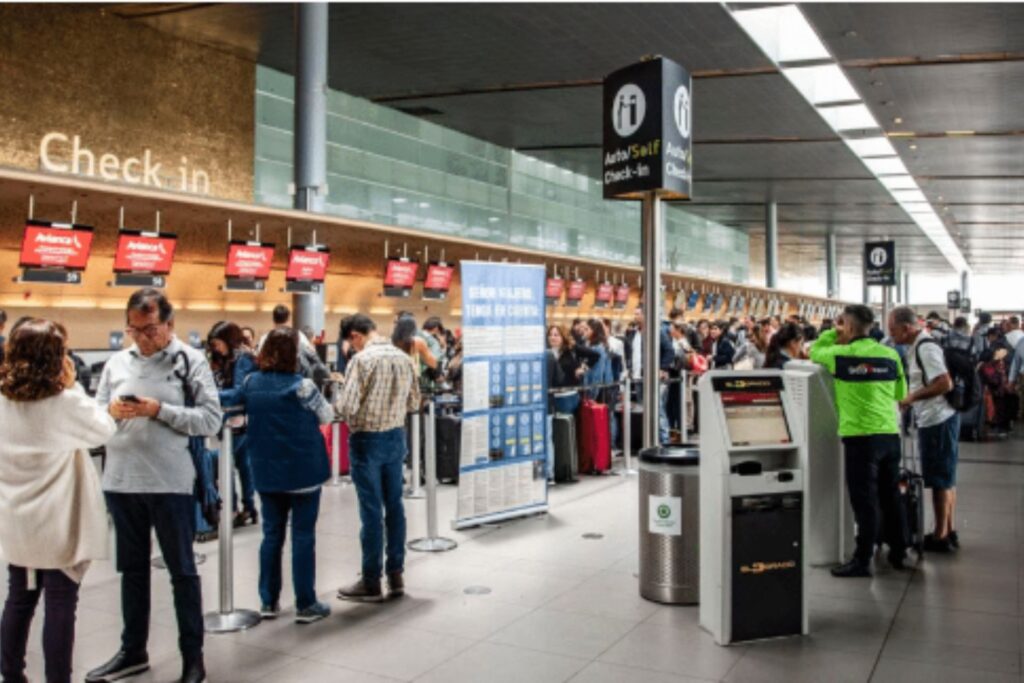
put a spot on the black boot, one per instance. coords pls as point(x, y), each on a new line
point(193, 671)
point(853, 568)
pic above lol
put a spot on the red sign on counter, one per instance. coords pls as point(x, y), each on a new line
point(55, 245)
point(605, 293)
point(400, 274)
point(307, 263)
point(554, 288)
point(576, 290)
point(622, 294)
point(249, 260)
point(144, 252)
point(439, 277)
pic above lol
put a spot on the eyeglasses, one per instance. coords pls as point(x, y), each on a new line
point(147, 331)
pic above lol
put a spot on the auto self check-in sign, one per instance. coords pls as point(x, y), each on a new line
point(648, 131)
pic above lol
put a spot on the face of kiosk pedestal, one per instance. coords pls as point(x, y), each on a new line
point(753, 513)
point(830, 537)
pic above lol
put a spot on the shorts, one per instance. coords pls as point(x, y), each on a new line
point(939, 447)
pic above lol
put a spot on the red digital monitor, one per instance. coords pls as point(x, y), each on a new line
point(249, 260)
point(307, 263)
point(575, 292)
point(55, 245)
point(438, 280)
point(144, 252)
point(605, 293)
point(400, 276)
point(553, 290)
point(621, 296)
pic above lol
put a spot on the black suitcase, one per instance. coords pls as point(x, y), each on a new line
point(911, 486)
point(566, 454)
point(636, 427)
point(449, 446)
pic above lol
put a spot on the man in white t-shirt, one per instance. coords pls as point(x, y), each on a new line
point(938, 423)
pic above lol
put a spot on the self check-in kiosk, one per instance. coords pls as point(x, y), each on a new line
point(830, 537)
point(753, 564)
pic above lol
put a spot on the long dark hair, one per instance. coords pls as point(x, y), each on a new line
point(786, 334)
point(280, 351)
point(597, 329)
point(404, 334)
point(33, 367)
point(231, 334)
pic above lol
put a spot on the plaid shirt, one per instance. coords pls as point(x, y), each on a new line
point(380, 388)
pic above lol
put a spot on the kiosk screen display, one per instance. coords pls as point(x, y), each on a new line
point(307, 263)
point(755, 419)
point(139, 252)
point(53, 245)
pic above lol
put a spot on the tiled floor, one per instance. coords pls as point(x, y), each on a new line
point(562, 607)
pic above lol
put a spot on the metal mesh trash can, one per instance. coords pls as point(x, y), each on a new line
point(670, 524)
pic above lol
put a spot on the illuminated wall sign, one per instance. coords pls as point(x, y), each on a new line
point(648, 131)
point(880, 263)
point(60, 153)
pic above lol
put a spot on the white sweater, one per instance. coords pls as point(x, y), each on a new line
point(52, 513)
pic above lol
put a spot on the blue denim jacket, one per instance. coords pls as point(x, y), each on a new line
point(286, 448)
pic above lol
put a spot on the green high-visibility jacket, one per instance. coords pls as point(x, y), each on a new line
point(869, 382)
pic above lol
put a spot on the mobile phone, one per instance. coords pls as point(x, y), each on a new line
point(130, 398)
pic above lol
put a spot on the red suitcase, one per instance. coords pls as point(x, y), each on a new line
point(343, 442)
point(595, 438)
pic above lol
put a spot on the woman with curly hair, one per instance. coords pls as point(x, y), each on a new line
point(53, 521)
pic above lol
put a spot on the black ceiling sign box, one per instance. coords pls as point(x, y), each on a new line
point(953, 299)
point(880, 263)
point(965, 305)
point(647, 131)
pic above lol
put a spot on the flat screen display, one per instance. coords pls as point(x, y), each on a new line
point(755, 419)
point(400, 273)
point(575, 291)
point(439, 277)
point(307, 263)
point(55, 245)
point(249, 260)
point(605, 293)
point(621, 296)
point(554, 288)
point(144, 252)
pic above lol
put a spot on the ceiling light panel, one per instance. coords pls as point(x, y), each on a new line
point(898, 182)
point(915, 196)
point(871, 147)
point(848, 117)
point(886, 166)
point(783, 33)
point(823, 84)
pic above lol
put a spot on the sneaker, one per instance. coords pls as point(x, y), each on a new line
point(396, 585)
point(932, 544)
point(362, 591)
point(270, 611)
point(314, 612)
point(121, 665)
point(851, 569)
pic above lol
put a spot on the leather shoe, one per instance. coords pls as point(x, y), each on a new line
point(898, 562)
point(121, 665)
point(193, 672)
point(851, 569)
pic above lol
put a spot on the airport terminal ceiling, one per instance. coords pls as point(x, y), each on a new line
point(946, 82)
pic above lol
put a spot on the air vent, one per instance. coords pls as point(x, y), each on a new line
point(419, 111)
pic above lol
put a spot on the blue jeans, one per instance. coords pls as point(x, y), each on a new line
point(376, 461)
point(172, 516)
point(244, 468)
point(304, 509)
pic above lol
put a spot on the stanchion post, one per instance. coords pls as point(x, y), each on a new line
point(227, 619)
point(415, 491)
point(432, 543)
point(684, 428)
point(335, 479)
point(627, 419)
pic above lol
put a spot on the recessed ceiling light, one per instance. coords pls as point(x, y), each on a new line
point(493, 219)
point(913, 146)
point(399, 200)
point(424, 205)
point(898, 120)
point(849, 34)
point(876, 83)
point(782, 32)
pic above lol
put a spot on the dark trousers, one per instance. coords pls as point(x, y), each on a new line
point(376, 460)
point(872, 477)
point(61, 596)
point(304, 509)
point(172, 516)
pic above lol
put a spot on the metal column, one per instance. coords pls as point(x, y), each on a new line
point(771, 245)
point(886, 307)
point(906, 288)
point(965, 285)
point(831, 269)
point(650, 245)
point(310, 139)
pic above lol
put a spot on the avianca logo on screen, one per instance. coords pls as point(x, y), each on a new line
point(400, 273)
point(47, 245)
point(249, 260)
point(307, 263)
point(144, 253)
point(63, 240)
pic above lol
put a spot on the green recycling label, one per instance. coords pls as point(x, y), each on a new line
point(665, 515)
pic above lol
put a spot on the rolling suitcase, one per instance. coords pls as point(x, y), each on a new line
point(636, 427)
point(911, 486)
point(595, 447)
point(343, 465)
point(449, 446)
point(566, 465)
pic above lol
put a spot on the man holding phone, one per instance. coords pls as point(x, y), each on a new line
point(149, 478)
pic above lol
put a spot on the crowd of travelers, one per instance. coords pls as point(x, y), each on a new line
point(160, 401)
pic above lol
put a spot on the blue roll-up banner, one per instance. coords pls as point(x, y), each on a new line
point(504, 419)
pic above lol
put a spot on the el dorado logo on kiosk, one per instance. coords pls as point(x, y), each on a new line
point(762, 567)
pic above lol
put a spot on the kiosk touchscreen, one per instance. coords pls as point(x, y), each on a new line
point(753, 513)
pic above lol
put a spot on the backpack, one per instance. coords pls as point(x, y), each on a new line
point(966, 391)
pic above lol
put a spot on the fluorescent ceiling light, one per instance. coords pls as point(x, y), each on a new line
point(918, 208)
point(909, 196)
point(783, 33)
point(824, 84)
point(898, 182)
point(872, 147)
point(848, 117)
point(886, 166)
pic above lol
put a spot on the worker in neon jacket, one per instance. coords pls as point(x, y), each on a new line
point(869, 383)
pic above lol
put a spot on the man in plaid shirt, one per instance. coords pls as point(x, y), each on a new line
point(380, 389)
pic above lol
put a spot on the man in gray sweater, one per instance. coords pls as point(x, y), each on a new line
point(149, 478)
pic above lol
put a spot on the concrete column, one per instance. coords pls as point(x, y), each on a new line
point(310, 138)
point(831, 265)
point(965, 284)
point(906, 287)
point(771, 245)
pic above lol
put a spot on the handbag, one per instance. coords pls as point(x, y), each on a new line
point(205, 488)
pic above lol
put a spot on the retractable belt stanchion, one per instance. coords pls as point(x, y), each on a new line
point(627, 429)
point(228, 619)
point(414, 490)
point(684, 429)
point(335, 479)
point(432, 543)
